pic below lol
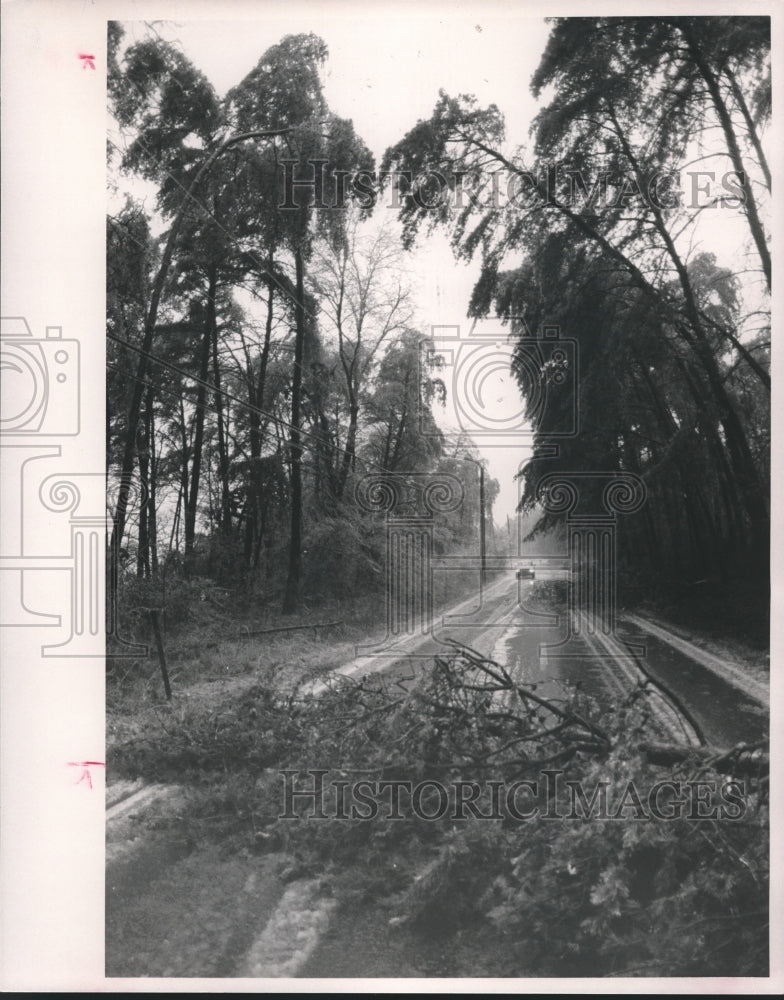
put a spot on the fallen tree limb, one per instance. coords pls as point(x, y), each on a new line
point(740, 759)
point(248, 633)
point(289, 628)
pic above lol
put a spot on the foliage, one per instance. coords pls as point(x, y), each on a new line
point(568, 896)
point(283, 364)
point(667, 347)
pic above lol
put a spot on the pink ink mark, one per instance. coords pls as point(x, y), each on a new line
point(87, 60)
point(86, 765)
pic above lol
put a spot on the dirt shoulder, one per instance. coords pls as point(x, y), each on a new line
point(187, 823)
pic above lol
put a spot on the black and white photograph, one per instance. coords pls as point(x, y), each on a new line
point(419, 575)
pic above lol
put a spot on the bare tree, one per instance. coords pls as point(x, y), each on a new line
point(364, 297)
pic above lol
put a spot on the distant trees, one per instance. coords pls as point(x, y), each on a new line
point(364, 300)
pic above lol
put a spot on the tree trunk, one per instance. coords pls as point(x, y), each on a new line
point(223, 450)
point(129, 452)
point(182, 496)
point(755, 225)
point(201, 399)
point(349, 457)
point(152, 505)
point(401, 428)
point(737, 93)
point(291, 600)
point(255, 520)
point(143, 548)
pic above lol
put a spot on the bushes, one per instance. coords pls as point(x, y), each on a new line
point(660, 898)
point(338, 558)
point(181, 601)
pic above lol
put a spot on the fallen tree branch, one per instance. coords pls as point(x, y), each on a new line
point(740, 759)
point(248, 633)
point(289, 628)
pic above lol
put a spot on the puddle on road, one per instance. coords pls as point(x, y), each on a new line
point(518, 651)
point(726, 715)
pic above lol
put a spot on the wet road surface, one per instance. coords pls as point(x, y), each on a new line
point(503, 628)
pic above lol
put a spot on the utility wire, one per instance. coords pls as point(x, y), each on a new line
point(159, 389)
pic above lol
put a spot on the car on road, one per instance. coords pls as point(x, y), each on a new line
point(525, 573)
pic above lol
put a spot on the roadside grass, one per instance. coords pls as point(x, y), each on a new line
point(213, 637)
point(234, 682)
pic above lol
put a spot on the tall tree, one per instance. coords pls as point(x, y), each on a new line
point(285, 86)
point(402, 434)
point(179, 134)
point(363, 297)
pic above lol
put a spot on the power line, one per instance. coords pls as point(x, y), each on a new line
point(168, 392)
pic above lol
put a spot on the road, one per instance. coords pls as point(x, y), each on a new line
point(173, 909)
point(727, 705)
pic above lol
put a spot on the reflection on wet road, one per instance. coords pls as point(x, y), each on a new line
point(726, 715)
point(505, 629)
